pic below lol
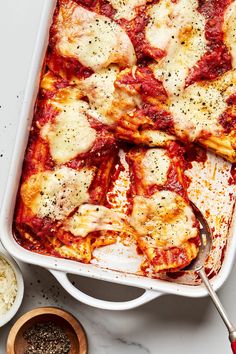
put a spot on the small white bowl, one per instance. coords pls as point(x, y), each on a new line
point(20, 288)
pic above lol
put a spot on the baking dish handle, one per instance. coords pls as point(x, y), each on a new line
point(62, 278)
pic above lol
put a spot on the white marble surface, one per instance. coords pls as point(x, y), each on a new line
point(168, 325)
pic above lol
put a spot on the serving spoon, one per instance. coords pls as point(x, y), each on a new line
point(197, 265)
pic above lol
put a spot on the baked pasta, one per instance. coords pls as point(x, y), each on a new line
point(126, 89)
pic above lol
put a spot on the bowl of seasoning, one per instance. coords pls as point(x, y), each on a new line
point(11, 287)
point(47, 330)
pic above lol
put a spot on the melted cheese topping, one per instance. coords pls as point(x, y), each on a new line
point(165, 219)
point(126, 8)
point(99, 88)
point(108, 103)
point(229, 28)
point(55, 194)
point(198, 108)
point(155, 165)
point(95, 40)
point(178, 28)
point(70, 134)
point(91, 218)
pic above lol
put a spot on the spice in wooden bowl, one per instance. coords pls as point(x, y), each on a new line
point(48, 325)
point(46, 338)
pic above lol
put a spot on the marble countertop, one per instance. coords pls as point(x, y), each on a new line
point(168, 324)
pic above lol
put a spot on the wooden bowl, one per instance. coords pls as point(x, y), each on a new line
point(16, 344)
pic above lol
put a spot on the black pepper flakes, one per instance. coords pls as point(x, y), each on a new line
point(46, 338)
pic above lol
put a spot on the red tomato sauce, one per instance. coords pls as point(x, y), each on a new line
point(145, 83)
point(194, 153)
point(215, 62)
point(153, 95)
point(175, 150)
point(214, 13)
point(36, 245)
point(136, 31)
point(67, 238)
point(90, 4)
point(38, 228)
point(135, 175)
point(103, 147)
point(217, 59)
point(177, 181)
point(70, 67)
point(162, 120)
point(100, 184)
point(44, 113)
point(170, 256)
point(210, 273)
point(101, 7)
point(232, 179)
point(228, 121)
point(37, 157)
point(56, 85)
point(106, 9)
point(174, 182)
point(115, 173)
point(232, 99)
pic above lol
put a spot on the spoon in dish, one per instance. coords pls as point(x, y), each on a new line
point(198, 266)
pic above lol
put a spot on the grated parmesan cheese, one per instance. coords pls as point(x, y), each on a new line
point(8, 286)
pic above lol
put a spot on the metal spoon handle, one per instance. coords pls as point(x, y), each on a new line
point(220, 308)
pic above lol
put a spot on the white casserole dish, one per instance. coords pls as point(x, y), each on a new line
point(61, 267)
